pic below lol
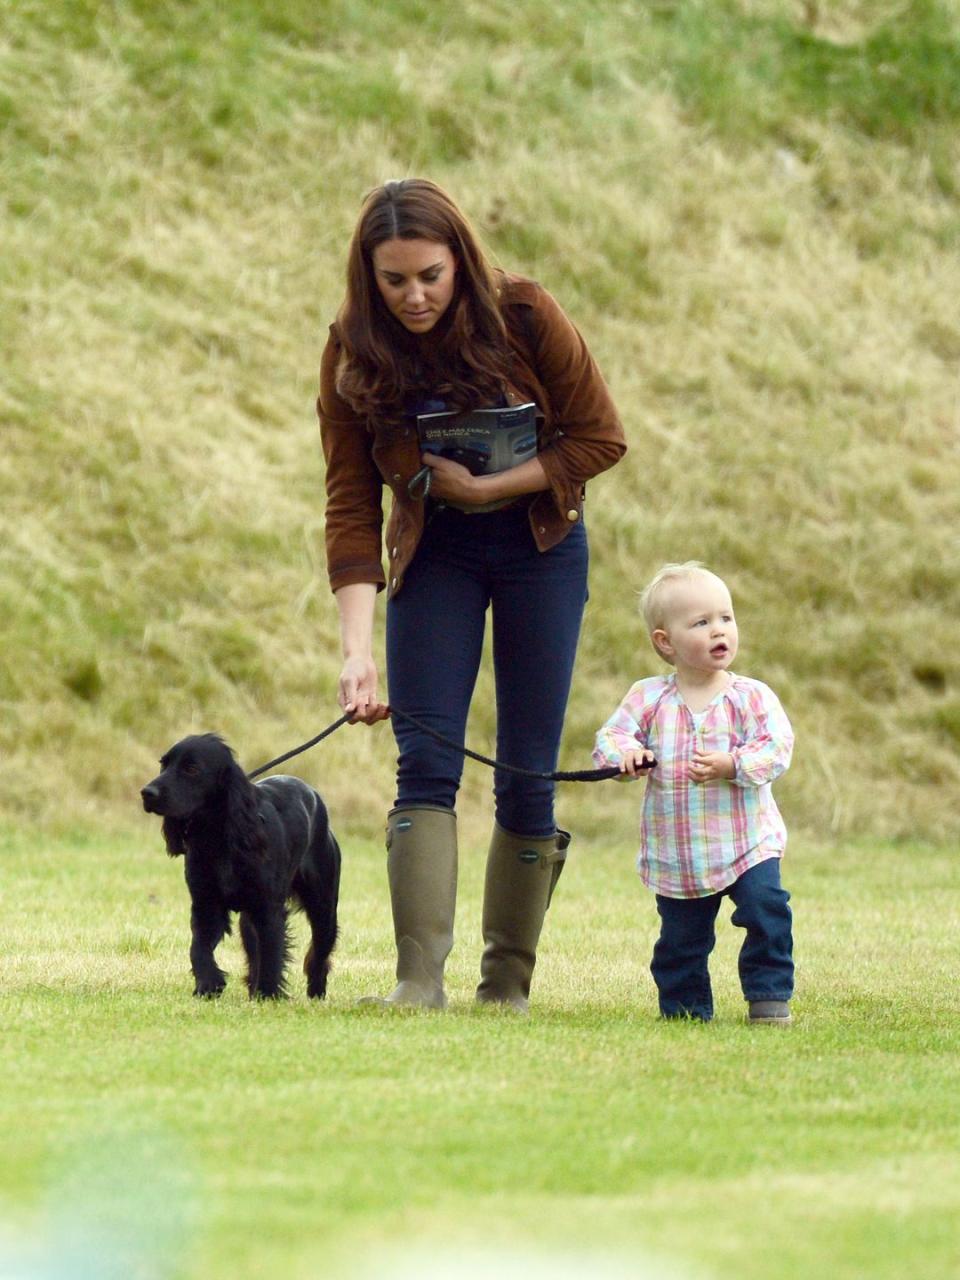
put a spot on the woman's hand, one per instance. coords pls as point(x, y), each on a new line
point(357, 693)
point(451, 481)
point(357, 690)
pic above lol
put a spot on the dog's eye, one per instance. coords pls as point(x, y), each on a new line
point(190, 769)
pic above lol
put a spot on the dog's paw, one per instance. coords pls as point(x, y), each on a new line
point(209, 990)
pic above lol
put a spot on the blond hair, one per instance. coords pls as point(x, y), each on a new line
point(654, 595)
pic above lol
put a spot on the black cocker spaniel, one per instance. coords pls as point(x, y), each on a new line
point(248, 848)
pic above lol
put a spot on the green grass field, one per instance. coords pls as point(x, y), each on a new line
point(751, 208)
point(180, 1138)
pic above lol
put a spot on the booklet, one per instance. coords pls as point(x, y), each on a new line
point(485, 441)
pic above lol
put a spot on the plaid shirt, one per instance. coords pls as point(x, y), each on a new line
point(697, 838)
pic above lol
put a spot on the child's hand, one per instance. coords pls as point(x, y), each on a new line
point(636, 762)
point(708, 766)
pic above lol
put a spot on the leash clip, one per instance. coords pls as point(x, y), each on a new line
point(421, 481)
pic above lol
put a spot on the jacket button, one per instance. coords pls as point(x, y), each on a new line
point(394, 553)
point(396, 476)
point(393, 583)
point(542, 529)
point(573, 515)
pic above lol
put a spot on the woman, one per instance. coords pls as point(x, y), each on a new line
point(427, 325)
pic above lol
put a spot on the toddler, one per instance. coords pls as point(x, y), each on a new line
point(710, 826)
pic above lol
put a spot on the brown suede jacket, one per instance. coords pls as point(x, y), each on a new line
point(580, 436)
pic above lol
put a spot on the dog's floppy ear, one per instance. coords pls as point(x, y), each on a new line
point(244, 831)
point(175, 835)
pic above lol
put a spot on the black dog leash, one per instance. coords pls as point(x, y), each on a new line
point(558, 775)
point(298, 750)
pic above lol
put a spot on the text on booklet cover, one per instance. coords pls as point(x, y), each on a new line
point(485, 441)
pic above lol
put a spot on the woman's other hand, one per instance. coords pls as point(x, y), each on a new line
point(451, 481)
point(357, 692)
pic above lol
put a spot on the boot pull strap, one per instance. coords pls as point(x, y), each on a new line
point(558, 854)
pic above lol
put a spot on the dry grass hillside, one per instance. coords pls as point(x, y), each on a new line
point(752, 210)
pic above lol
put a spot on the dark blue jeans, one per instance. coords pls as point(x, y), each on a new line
point(687, 937)
point(435, 628)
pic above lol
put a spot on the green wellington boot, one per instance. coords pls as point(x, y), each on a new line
point(422, 870)
point(520, 879)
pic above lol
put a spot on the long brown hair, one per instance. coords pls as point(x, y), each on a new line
point(464, 360)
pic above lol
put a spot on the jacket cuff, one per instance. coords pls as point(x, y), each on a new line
point(354, 573)
point(566, 496)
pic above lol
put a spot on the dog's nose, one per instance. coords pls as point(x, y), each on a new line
point(150, 795)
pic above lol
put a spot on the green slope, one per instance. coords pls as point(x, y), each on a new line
point(753, 218)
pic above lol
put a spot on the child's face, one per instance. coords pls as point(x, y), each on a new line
point(699, 633)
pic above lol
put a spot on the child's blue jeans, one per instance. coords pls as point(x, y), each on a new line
point(435, 627)
point(687, 937)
